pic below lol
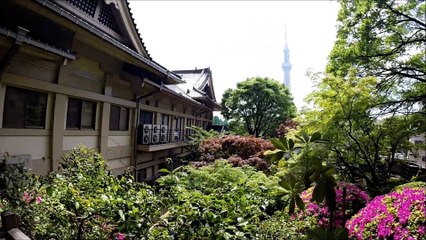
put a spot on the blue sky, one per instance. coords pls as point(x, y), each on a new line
point(239, 39)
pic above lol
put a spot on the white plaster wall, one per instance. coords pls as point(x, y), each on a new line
point(36, 146)
point(70, 142)
point(119, 141)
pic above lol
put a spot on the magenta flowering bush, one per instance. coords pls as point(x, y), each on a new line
point(355, 199)
point(398, 215)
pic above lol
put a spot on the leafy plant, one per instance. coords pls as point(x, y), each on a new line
point(349, 200)
point(237, 150)
point(283, 226)
point(82, 201)
point(197, 137)
point(216, 202)
point(304, 167)
point(286, 127)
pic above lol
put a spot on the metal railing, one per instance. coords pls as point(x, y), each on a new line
point(161, 134)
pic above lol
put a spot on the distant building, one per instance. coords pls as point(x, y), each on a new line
point(286, 65)
point(418, 155)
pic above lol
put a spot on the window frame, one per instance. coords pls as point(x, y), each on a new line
point(143, 118)
point(28, 94)
point(118, 124)
point(81, 112)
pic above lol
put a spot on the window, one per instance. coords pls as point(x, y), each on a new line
point(146, 117)
point(164, 119)
point(119, 118)
point(141, 175)
point(81, 114)
point(189, 124)
point(24, 109)
point(178, 123)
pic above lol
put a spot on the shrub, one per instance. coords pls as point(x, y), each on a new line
point(285, 127)
point(281, 226)
point(216, 202)
point(398, 215)
point(410, 185)
point(355, 199)
point(82, 201)
point(197, 137)
point(237, 150)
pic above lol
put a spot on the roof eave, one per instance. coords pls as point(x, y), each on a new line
point(171, 78)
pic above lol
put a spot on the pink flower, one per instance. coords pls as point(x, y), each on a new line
point(354, 197)
point(422, 230)
point(39, 199)
point(121, 236)
point(399, 214)
point(27, 197)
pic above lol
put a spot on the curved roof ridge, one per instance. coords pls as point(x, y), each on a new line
point(137, 30)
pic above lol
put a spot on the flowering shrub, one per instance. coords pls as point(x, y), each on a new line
point(355, 199)
point(237, 150)
point(398, 215)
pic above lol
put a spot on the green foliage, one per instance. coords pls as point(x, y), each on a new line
point(260, 104)
point(413, 185)
point(218, 121)
point(81, 201)
point(384, 39)
point(301, 166)
point(285, 128)
point(236, 149)
point(298, 174)
point(363, 143)
point(326, 234)
point(216, 202)
point(282, 226)
point(199, 135)
point(236, 127)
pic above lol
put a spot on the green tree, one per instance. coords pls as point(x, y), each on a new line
point(261, 104)
point(385, 39)
point(237, 127)
point(363, 143)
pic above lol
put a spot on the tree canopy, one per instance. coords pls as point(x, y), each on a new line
point(385, 39)
point(371, 99)
point(261, 104)
point(364, 145)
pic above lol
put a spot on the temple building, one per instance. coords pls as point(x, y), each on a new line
point(77, 72)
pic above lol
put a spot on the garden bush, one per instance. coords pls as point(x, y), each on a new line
point(414, 184)
point(217, 201)
point(355, 199)
point(286, 127)
point(237, 150)
point(398, 215)
point(282, 226)
point(82, 200)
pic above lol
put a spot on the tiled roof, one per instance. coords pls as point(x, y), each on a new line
point(195, 81)
point(93, 29)
point(176, 89)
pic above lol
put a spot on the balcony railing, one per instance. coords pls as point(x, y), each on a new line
point(151, 134)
